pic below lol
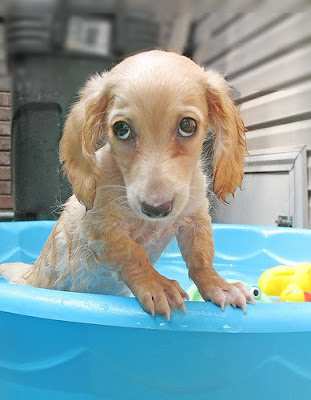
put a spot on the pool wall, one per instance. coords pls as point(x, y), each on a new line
point(61, 345)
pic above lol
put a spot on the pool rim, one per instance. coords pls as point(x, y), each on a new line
point(125, 312)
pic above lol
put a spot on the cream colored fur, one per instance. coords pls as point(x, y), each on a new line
point(103, 242)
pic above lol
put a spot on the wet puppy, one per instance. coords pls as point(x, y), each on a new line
point(144, 186)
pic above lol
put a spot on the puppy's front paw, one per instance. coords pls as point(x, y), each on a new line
point(222, 293)
point(158, 295)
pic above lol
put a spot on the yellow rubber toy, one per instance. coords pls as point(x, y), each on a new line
point(290, 283)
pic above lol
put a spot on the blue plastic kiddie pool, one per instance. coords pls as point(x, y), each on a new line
point(57, 345)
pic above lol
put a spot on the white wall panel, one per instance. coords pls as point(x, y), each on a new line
point(295, 29)
point(277, 73)
point(284, 104)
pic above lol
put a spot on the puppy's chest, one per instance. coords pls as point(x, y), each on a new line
point(153, 236)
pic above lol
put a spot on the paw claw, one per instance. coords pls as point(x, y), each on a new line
point(186, 296)
point(222, 293)
point(159, 295)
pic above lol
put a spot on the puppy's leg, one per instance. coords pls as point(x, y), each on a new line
point(195, 239)
point(157, 294)
point(14, 272)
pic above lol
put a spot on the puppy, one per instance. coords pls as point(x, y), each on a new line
point(144, 186)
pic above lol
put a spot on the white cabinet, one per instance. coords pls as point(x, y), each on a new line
point(274, 190)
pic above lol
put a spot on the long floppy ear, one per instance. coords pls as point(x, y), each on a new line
point(229, 146)
point(83, 129)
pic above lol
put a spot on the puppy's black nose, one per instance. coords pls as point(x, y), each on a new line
point(159, 211)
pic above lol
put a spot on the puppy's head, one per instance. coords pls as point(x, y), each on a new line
point(154, 109)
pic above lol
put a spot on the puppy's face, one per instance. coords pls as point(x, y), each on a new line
point(157, 122)
point(154, 109)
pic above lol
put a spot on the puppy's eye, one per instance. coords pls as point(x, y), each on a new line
point(122, 130)
point(187, 127)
